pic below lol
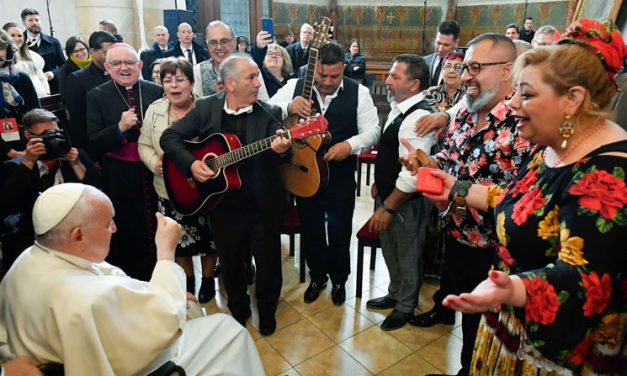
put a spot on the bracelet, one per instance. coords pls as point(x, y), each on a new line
point(391, 211)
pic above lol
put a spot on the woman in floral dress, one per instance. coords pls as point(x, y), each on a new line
point(555, 301)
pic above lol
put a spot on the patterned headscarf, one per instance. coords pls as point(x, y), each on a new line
point(602, 38)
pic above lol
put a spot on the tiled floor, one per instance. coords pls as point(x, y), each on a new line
point(322, 339)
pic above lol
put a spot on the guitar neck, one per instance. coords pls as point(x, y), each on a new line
point(309, 75)
point(244, 152)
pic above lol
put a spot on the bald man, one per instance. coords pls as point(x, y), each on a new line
point(187, 47)
point(115, 112)
point(482, 146)
point(61, 302)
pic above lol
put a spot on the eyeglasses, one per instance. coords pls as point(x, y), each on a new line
point(79, 50)
point(117, 63)
point(178, 79)
point(454, 67)
point(475, 68)
point(221, 42)
point(274, 54)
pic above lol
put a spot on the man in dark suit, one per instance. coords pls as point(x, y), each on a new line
point(187, 47)
point(115, 112)
point(251, 216)
point(48, 47)
point(80, 82)
point(527, 32)
point(446, 40)
point(299, 50)
point(157, 51)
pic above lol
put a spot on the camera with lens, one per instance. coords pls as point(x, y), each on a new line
point(56, 143)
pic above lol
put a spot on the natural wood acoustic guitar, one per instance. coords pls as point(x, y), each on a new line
point(308, 172)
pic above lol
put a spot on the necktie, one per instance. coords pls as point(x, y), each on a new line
point(189, 56)
point(436, 74)
point(32, 43)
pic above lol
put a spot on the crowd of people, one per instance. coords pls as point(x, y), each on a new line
point(532, 209)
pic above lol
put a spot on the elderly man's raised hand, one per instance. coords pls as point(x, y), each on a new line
point(169, 234)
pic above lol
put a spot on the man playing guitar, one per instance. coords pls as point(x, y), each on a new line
point(254, 213)
point(354, 127)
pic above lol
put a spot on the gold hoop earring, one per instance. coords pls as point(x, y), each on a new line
point(566, 130)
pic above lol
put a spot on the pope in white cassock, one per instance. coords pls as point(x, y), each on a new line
point(60, 302)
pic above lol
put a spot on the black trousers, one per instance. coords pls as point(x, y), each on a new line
point(326, 227)
point(236, 231)
point(464, 267)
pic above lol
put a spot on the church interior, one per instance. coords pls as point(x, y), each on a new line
point(322, 338)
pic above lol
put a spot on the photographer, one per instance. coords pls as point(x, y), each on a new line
point(49, 159)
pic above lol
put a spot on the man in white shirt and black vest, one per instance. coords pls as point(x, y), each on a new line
point(354, 127)
point(400, 216)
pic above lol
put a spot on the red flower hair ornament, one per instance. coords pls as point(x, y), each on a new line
point(602, 38)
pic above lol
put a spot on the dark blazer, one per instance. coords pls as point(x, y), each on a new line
point(205, 119)
point(19, 190)
point(104, 109)
point(76, 87)
point(149, 56)
point(50, 49)
point(430, 59)
point(355, 66)
point(297, 55)
point(201, 53)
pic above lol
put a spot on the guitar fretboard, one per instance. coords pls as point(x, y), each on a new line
point(309, 75)
point(244, 152)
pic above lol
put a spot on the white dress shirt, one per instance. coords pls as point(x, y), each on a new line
point(367, 120)
point(405, 181)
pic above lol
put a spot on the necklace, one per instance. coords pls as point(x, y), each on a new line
point(141, 102)
point(172, 116)
point(560, 160)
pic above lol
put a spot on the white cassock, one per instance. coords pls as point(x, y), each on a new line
point(96, 320)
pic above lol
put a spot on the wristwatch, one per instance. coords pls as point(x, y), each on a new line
point(459, 192)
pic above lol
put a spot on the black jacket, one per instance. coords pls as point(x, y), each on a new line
point(201, 53)
point(205, 119)
point(76, 87)
point(148, 57)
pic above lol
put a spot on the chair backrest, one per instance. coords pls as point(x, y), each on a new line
point(379, 88)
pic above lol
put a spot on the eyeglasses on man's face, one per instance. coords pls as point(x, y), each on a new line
point(222, 42)
point(475, 68)
point(118, 63)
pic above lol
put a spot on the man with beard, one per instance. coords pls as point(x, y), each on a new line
point(251, 217)
point(48, 47)
point(115, 112)
point(354, 127)
point(80, 82)
point(187, 47)
point(527, 32)
point(400, 217)
point(222, 42)
point(482, 145)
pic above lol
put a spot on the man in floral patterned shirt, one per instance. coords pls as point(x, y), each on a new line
point(482, 145)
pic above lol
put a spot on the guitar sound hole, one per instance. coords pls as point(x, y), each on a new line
point(208, 159)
